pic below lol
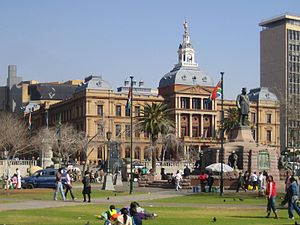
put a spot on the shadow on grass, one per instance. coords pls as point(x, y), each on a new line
point(252, 217)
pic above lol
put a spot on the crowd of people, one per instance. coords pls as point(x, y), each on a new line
point(14, 181)
point(129, 215)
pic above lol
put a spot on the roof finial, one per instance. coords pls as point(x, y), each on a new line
point(185, 26)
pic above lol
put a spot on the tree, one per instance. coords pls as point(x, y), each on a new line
point(155, 121)
point(65, 141)
point(15, 137)
point(231, 120)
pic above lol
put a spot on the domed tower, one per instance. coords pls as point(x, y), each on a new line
point(186, 89)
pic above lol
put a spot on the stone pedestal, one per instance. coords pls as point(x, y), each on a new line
point(108, 183)
point(252, 157)
point(119, 179)
point(46, 155)
point(241, 134)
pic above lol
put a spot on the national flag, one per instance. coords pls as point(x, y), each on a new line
point(29, 121)
point(217, 92)
point(128, 103)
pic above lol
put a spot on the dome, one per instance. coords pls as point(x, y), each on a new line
point(93, 83)
point(261, 93)
point(186, 76)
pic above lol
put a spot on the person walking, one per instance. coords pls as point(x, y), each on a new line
point(59, 186)
point(293, 195)
point(178, 178)
point(86, 186)
point(69, 185)
point(241, 183)
point(271, 195)
point(254, 181)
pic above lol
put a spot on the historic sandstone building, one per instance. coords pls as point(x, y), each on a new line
point(95, 108)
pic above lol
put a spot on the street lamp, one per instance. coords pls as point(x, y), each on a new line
point(108, 179)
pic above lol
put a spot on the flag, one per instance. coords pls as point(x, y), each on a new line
point(29, 121)
point(128, 103)
point(217, 92)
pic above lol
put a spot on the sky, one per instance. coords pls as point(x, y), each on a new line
point(71, 39)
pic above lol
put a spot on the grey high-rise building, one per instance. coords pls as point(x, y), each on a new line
point(14, 90)
point(279, 70)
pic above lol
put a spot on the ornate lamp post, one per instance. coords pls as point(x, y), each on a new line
point(108, 179)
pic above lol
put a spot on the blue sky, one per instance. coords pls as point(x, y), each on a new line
point(61, 40)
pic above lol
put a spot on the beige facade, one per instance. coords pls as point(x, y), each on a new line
point(280, 71)
point(97, 111)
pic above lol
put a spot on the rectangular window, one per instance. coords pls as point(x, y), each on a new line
point(100, 110)
point(196, 103)
point(127, 112)
point(146, 135)
point(118, 110)
point(137, 133)
point(269, 118)
point(118, 130)
point(137, 110)
point(185, 103)
point(207, 104)
point(127, 131)
point(195, 132)
point(100, 129)
point(183, 131)
point(269, 136)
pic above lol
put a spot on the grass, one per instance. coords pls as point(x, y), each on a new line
point(47, 194)
point(226, 213)
point(214, 198)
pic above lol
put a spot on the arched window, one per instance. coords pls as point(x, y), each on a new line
point(147, 153)
point(137, 152)
point(127, 152)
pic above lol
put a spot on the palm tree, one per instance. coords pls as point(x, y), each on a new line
point(231, 120)
point(155, 121)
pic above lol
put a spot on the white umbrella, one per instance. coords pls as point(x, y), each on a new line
point(216, 167)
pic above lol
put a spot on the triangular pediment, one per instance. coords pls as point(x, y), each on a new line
point(195, 90)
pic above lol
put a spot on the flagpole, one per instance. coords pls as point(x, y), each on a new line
point(131, 133)
point(222, 137)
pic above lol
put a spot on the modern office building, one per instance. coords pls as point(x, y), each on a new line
point(280, 72)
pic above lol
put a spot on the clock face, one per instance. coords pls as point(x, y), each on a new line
point(189, 57)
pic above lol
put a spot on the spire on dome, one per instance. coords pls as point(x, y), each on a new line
point(186, 52)
point(186, 27)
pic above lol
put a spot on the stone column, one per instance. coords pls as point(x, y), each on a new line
point(201, 125)
point(213, 125)
point(191, 125)
point(179, 126)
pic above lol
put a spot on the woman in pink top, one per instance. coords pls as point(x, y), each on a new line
point(271, 195)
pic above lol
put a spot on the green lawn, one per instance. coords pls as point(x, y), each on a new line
point(47, 194)
point(214, 198)
point(234, 213)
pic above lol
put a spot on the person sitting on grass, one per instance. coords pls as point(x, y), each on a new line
point(141, 212)
point(124, 218)
point(136, 219)
point(110, 215)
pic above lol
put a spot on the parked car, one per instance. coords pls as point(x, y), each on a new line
point(42, 179)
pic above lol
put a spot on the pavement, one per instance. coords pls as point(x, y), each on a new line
point(150, 194)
